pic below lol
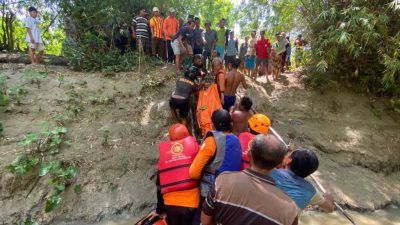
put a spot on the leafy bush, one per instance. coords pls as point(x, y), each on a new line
point(356, 41)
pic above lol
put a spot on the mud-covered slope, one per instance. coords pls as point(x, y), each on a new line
point(114, 177)
point(358, 151)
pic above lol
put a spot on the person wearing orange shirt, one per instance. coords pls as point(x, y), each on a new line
point(220, 151)
point(157, 40)
point(170, 28)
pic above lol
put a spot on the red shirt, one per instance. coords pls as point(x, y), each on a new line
point(262, 47)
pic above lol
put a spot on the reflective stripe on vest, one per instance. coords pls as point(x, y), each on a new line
point(228, 157)
point(174, 162)
point(245, 139)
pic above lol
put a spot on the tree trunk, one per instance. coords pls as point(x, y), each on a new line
point(24, 58)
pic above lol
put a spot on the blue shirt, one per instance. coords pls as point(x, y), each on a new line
point(297, 188)
point(184, 32)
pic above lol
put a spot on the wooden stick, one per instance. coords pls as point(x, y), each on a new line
point(318, 184)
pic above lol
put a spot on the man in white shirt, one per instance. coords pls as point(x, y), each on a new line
point(33, 36)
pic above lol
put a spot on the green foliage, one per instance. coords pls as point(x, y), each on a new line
point(30, 221)
point(4, 98)
point(78, 189)
point(16, 93)
point(23, 164)
point(52, 202)
point(60, 80)
point(1, 129)
point(356, 41)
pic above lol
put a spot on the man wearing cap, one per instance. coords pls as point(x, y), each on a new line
point(157, 41)
point(170, 28)
point(140, 27)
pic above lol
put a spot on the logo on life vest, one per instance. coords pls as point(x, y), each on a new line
point(177, 149)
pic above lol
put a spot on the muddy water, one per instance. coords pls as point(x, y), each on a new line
point(389, 216)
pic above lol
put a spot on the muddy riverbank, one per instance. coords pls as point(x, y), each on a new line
point(357, 144)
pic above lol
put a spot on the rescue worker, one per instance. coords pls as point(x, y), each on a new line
point(220, 151)
point(258, 124)
point(178, 194)
point(185, 87)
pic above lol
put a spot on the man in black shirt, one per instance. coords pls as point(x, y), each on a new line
point(185, 87)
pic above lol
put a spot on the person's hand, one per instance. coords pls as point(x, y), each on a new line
point(33, 40)
point(328, 197)
point(222, 100)
point(151, 216)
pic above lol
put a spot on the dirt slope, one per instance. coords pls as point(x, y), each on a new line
point(353, 143)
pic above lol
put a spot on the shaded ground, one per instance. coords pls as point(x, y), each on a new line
point(358, 145)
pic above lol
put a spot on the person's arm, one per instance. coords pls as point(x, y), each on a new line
point(160, 200)
point(152, 25)
point(244, 83)
point(165, 28)
point(206, 152)
point(134, 28)
point(221, 82)
point(324, 201)
point(207, 214)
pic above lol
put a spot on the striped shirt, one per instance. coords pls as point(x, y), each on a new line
point(141, 26)
point(156, 24)
point(250, 198)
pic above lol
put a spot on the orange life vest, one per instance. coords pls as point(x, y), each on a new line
point(175, 158)
point(245, 140)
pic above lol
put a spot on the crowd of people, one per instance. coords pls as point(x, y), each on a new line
point(238, 172)
point(177, 42)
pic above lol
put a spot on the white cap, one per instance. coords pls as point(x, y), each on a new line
point(171, 10)
point(155, 9)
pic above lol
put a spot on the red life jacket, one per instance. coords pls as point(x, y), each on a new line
point(175, 158)
point(245, 140)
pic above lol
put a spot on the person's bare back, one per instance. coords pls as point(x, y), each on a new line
point(240, 121)
point(241, 116)
point(232, 81)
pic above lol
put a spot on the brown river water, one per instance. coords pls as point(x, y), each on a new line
point(389, 216)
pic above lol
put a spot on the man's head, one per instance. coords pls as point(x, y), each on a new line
point(197, 21)
point(266, 152)
point(142, 12)
point(231, 34)
point(262, 34)
point(32, 12)
point(198, 60)
point(303, 162)
point(192, 73)
point(278, 36)
point(222, 23)
point(245, 104)
point(208, 25)
point(246, 39)
point(253, 34)
point(156, 11)
point(235, 63)
point(259, 124)
point(178, 132)
point(171, 12)
point(217, 64)
point(190, 24)
point(221, 120)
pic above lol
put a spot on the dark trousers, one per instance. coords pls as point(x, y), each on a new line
point(171, 55)
point(157, 47)
point(197, 217)
point(197, 51)
point(177, 215)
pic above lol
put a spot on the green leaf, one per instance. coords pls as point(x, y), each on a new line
point(30, 221)
point(52, 202)
point(78, 189)
point(60, 187)
point(44, 169)
point(72, 171)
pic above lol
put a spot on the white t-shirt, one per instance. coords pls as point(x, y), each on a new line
point(33, 24)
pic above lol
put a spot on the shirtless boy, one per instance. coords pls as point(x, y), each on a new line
point(232, 81)
point(241, 116)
